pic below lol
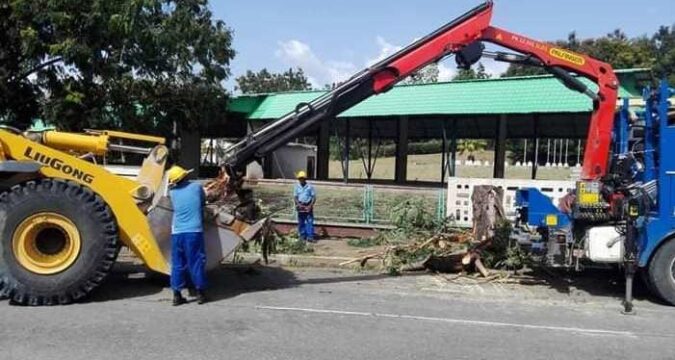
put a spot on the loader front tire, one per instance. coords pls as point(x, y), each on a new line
point(58, 242)
point(662, 272)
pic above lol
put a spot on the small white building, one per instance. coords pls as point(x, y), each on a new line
point(288, 160)
point(283, 163)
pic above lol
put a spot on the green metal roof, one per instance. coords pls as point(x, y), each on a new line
point(518, 95)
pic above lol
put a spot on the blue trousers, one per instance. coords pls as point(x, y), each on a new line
point(306, 226)
point(188, 258)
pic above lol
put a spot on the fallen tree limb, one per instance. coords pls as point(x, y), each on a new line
point(362, 260)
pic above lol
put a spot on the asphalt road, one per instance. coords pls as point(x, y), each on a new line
point(272, 313)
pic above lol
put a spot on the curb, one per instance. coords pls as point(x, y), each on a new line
point(329, 262)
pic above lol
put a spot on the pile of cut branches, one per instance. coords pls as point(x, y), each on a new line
point(452, 250)
point(219, 188)
point(447, 250)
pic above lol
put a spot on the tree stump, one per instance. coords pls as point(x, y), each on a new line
point(488, 211)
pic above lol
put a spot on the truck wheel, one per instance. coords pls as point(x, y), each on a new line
point(644, 277)
point(662, 272)
point(58, 241)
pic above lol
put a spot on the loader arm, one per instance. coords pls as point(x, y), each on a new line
point(462, 37)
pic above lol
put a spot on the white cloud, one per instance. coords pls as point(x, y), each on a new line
point(495, 68)
point(386, 49)
point(446, 69)
point(296, 53)
point(445, 72)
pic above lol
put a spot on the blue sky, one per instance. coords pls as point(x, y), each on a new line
point(331, 40)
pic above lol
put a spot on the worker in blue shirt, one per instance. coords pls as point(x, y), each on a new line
point(188, 257)
point(304, 197)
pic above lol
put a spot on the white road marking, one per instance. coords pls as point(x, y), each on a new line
point(455, 321)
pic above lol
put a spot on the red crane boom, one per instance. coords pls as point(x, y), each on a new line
point(462, 37)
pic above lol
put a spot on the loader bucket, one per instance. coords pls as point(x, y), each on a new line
point(222, 234)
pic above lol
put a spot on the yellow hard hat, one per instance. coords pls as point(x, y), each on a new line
point(301, 175)
point(176, 174)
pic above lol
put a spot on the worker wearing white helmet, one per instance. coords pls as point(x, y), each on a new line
point(188, 257)
point(304, 197)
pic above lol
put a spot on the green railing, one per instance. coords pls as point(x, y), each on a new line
point(361, 204)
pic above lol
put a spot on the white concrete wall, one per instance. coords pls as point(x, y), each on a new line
point(460, 207)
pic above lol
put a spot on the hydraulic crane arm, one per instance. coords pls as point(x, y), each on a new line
point(559, 61)
point(462, 37)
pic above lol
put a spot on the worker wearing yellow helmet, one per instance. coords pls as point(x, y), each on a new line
point(188, 257)
point(304, 197)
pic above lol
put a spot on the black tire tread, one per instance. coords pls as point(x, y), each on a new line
point(20, 295)
point(659, 272)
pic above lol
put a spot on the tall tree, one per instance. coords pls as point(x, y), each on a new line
point(267, 82)
point(471, 74)
point(614, 48)
point(428, 74)
point(481, 73)
point(664, 46)
point(138, 64)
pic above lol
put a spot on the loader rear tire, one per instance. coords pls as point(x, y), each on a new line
point(662, 272)
point(58, 242)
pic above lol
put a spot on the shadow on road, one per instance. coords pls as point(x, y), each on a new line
point(596, 282)
point(233, 280)
point(128, 281)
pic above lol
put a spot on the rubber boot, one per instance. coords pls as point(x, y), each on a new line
point(178, 299)
point(201, 297)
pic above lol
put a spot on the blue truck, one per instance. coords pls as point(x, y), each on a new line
point(626, 218)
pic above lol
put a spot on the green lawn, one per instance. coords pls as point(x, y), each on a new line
point(343, 203)
point(337, 203)
point(428, 168)
point(334, 204)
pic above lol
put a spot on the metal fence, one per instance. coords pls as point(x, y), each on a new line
point(352, 203)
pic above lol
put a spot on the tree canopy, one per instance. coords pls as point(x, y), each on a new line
point(266, 82)
point(138, 64)
point(663, 43)
point(471, 74)
point(428, 74)
point(656, 52)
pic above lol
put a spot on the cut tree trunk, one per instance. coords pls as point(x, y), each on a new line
point(488, 211)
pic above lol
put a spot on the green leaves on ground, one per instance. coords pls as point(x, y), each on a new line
point(291, 244)
point(504, 252)
point(288, 244)
point(413, 215)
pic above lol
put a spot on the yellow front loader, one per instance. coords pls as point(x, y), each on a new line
point(64, 217)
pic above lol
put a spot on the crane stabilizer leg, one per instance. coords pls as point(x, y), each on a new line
point(630, 262)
